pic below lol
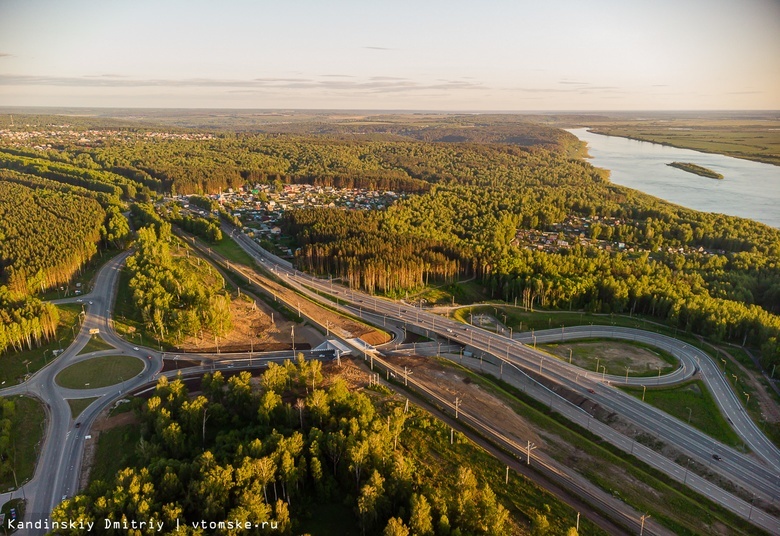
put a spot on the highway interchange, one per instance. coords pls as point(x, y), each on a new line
point(59, 464)
point(762, 478)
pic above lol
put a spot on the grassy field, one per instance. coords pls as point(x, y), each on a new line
point(115, 451)
point(232, 251)
point(99, 372)
point(614, 355)
point(77, 405)
point(752, 140)
point(704, 413)
point(95, 344)
point(28, 425)
point(15, 365)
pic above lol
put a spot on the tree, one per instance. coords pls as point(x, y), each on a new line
point(395, 527)
point(420, 520)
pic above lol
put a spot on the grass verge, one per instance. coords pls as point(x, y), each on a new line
point(77, 405)
point(95, 344)
point(100, 372)
point(27, 426)
point(694, 396)
point(18, 505)
point(115, 451)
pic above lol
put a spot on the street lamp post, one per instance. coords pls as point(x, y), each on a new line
point(628, 369)
point(642, 525)
point(685, 479)
point(690, 412)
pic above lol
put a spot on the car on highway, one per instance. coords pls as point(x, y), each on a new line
point(716, 457)
point(90, 303)
point(135, 348)
point(79, 300)
point(591, 391)
point(149, 357)
point(78, 424)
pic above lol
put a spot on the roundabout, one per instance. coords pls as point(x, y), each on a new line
point(99, 372)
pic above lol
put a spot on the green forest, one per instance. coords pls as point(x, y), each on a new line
point(478, 182)
point(172, 298)
point(276, 453)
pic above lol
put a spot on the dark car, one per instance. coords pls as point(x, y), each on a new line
point(78, 424)
point(716, 457)
point(591, 391)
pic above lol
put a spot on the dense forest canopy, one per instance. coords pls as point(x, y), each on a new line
point(239, 453)
point(481, 181)
point(173, 300)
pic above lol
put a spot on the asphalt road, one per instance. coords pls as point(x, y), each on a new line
point(762, 478)
point(59, 464)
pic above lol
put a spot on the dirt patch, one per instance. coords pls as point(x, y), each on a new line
point(450, 384)
point(615, 355)
point(104, 422)
point(252, 327)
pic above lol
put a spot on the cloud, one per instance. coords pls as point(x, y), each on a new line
point(5, 55)
point(379, 48)
point(346, 83)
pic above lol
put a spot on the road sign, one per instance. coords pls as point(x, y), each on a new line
point(94, 331)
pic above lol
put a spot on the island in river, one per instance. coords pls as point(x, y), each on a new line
point(698, 170)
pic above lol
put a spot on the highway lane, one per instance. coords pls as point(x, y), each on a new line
point(743, 469)
point(690, 356)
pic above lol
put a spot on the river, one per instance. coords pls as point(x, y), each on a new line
point(748, 189)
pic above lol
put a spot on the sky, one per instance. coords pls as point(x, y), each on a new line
point(515, 55)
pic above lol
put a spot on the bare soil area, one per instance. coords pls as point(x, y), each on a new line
point(344, 327)
point(615, 355)
point(451, 384)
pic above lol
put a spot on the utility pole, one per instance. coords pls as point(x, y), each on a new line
point(457, 406)
point(644, 390)
point(407, 371)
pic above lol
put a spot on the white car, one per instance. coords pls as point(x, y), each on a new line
point(135, 348)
